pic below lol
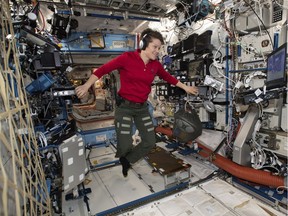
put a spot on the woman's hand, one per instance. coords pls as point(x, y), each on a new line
point(81, 91)
point(188, 89)
point(191, 90)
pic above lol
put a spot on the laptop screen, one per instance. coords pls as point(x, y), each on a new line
point(276, 68)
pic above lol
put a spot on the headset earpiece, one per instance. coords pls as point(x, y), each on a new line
point(143, 43)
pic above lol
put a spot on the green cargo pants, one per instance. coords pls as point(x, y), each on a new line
point(125, 117)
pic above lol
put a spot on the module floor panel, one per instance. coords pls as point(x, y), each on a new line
point(214, 198)
point(101, 155)
point(99, 199)
point(152, 179)
point(121, 189)
point(200, 168)
point(110, 189)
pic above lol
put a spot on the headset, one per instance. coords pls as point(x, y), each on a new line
point(143, 42)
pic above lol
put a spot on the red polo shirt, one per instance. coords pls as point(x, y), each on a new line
point(135, 77)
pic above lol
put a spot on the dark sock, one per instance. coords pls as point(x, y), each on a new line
point(125, 166)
